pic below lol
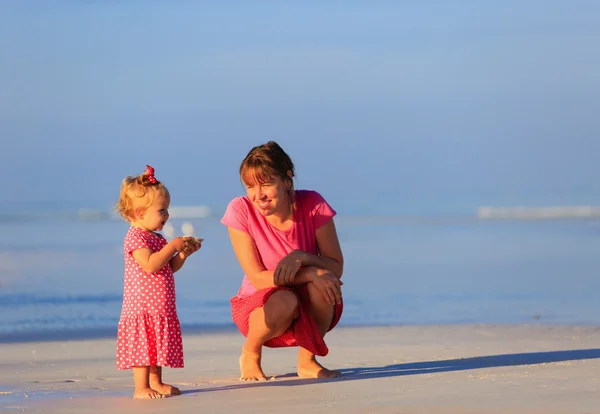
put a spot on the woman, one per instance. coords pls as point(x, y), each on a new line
point(287, 245)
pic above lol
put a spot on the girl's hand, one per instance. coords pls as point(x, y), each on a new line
point(178, 243)
point(192, 245)
point(288, 267)
point(329, 285)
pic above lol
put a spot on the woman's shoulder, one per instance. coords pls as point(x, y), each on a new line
point(309, 199)
point(312, 204)
point(238, 213)
point(308, 195)
point(239, 203)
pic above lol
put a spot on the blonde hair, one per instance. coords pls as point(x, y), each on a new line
point(138, 192)
point(266, 161)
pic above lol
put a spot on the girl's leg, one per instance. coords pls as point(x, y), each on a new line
point(265, 323)
point(141, 379)
point(322, 312)
point(157, 384)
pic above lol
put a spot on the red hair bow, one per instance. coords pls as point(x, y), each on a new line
point(150, 174)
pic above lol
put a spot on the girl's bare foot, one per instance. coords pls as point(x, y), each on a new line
point(250, 367)
point(166, 389)
point(310, 368)
point(146, 394)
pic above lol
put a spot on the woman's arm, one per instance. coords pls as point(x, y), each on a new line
point(330, 253)
point(245, 250)
point(307, 265)
point(329, 259)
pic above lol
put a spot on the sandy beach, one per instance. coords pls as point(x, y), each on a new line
point(411, 369)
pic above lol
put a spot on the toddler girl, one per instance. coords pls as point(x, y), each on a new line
point(149, 335)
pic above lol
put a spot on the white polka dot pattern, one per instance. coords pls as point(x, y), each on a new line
point(149, 331)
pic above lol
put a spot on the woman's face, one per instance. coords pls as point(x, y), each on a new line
point(269, 196)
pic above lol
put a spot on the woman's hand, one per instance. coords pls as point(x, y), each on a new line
point(288, 267)
point(329, 285)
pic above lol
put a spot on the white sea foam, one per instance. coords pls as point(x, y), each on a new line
point(551, 212)
point(187, 229)
point(190, 212)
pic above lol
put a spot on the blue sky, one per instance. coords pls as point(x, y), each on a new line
point(377, 102)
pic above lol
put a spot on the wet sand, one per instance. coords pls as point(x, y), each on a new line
point(410, 369)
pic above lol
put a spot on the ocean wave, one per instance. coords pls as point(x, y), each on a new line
point(95, 214)
point(544, 212)
point(22, 300)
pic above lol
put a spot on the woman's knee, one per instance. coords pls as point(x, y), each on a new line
point(281, 307)
point(315, 296)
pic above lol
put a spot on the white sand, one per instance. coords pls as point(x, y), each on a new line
point(417, 369)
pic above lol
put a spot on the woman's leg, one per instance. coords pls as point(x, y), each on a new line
point(322, 313)
point(270, 321)
point(157, 384)
point(141, 379)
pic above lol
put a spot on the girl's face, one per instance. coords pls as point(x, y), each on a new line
point(156, 216)
point(269, 196)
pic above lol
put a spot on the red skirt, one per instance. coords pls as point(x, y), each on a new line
point(303, 331)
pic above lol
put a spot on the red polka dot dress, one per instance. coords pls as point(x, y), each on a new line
point(149, 331)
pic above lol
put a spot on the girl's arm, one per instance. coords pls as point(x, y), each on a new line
point(153, 262)
point(191, 246)
point(177, 262)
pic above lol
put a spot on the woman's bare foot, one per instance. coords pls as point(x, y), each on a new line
point(310, 368)
point(166, 389)
point(250, 367)
point(146, 394)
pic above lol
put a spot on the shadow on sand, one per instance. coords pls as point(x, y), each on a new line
point(415, 368)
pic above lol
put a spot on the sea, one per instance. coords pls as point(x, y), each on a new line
point(61, 271)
